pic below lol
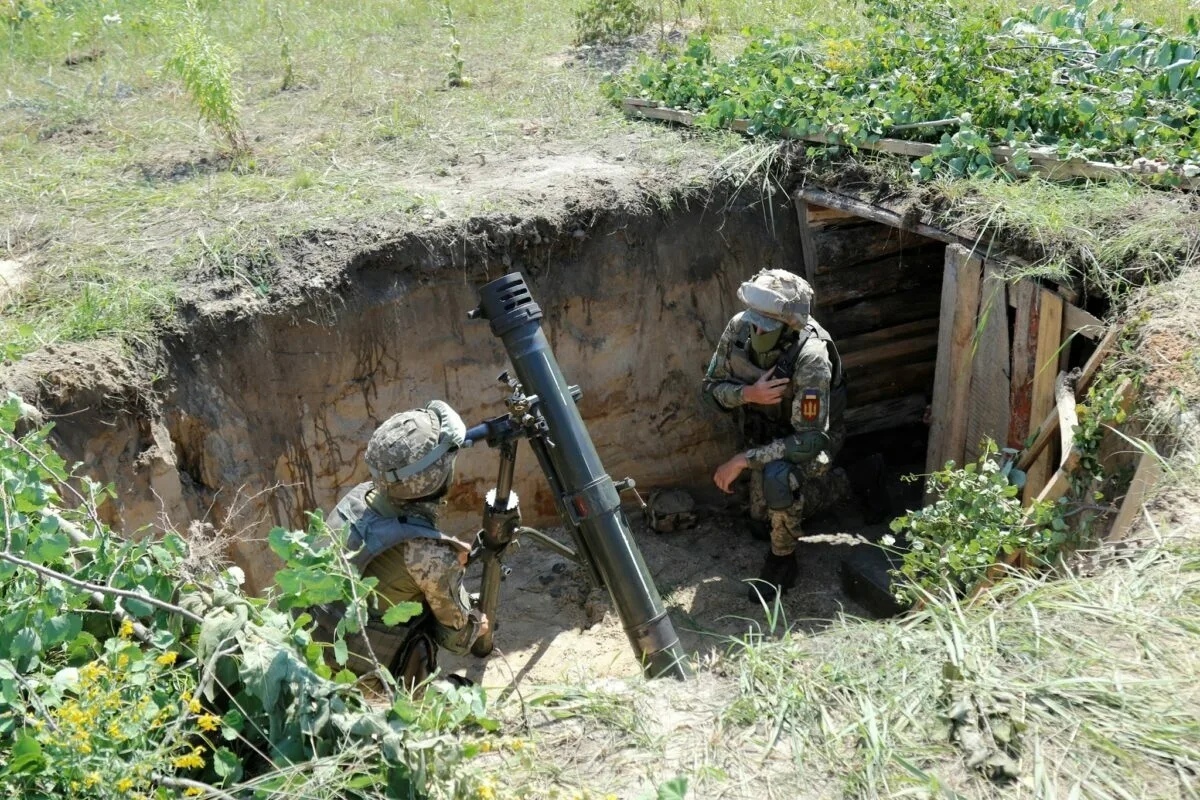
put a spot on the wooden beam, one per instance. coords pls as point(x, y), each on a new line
point(872, 314)
point(819, 216)
point(889, 382)
point(866, 341)
point(889, 217)
point(903, 271)
point(1068, 420)
point(991, 368)
point(842, 247)
point(808, 247)
point(923, 348)
point(951, 385)
point(1076, 320)
point(1093, 364)
point(885, 414)
point(1149, 470)
point(1041, 400)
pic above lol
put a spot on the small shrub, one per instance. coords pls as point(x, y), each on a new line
point(978, 516)
point(285, 55)
point(206, 69)
point(610, 21)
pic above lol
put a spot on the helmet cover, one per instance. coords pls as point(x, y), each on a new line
point(776, 297)
point(412, 453)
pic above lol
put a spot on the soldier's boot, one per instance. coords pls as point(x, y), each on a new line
point(779, 573)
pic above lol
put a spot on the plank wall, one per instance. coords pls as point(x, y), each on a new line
point(878, 292)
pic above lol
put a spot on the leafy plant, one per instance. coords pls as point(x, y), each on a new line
point(454, 75)
point(977, 517)
point(1080, 80)
point(610, 21)
point(124, 672)
point(206, 69)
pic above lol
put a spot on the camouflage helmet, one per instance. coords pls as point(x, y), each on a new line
point(776, 297)
point(412, 454)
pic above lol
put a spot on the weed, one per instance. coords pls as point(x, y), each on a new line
point(610, 21)
point(454, 75)
point(205, 67)
point(285, 54)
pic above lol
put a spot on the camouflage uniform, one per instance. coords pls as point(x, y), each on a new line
point(414, 562)
point(794, 442)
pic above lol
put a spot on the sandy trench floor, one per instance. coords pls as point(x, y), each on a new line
point(554, 627)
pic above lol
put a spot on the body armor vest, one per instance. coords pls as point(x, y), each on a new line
point(372, 533)
point(763, 423)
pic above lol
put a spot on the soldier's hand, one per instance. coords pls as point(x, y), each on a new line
point(766, 391)
point(728, 472)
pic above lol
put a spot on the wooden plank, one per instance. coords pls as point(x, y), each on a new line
point(866, 341)
point(959, 308)
point(885, 414)
point(839, 248)
point(915, 348)
point(1042, 162)
point(1041, 400)
point(903, 271)
point(1076, 320)
point(872, 314)
point(1024, 353)
point(819, 216)
point(888, 217)
point(884, 384)
point(1149, 470)
point(1068, 420)
point(991, 368)
point(1050, 425)
point(808, 247)
point(1059, 482)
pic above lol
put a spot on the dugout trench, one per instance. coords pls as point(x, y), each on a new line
point(263, 415)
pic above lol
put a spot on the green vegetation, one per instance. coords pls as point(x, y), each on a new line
point(976, 518)
point(610, 21)
point(206, 70)
point(1081, 80)
point(130, 669)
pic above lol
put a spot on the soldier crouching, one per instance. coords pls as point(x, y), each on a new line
point(392, 525)
point(778, 372)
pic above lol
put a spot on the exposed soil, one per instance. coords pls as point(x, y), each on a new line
point(555, 628)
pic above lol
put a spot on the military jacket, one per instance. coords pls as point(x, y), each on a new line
point(371, 533)
point(812, 403)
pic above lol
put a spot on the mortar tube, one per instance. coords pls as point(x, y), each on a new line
point(589, 497)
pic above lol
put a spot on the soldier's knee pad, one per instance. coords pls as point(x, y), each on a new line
point(777, 485)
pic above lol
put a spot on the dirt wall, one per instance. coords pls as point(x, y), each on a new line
point(262, 416)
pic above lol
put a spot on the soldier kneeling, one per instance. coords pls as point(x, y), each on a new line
point(392, 525)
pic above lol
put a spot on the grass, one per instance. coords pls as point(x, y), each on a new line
point(113, 193)
point(1113, 236)
point(1082, 687)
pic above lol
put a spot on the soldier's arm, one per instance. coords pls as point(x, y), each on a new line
point(810, 411)
point(719, 384)
point(438, 573)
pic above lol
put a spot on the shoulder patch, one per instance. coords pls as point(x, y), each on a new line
point(810, 404)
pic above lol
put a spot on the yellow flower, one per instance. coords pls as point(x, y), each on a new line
point(208, 722)
point(166, 659)
point(516, 744)
point(194, 705)
point(126, 629)
point(192, 760)
point(91, 779)
point(485, 746)
point(122, 661)
point(114, 731)
point(124, 785)
point(485, 792)
point(192, 791)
